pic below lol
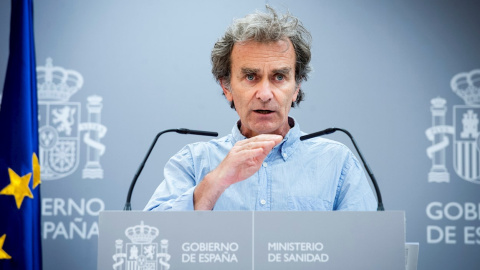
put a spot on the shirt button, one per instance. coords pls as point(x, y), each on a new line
point(263, 202)
point(264, 164)
point(284, 155)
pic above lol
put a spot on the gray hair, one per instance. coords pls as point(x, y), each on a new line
point(263, 27)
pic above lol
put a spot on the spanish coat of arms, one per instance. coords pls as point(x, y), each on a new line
point(465, 132)
point(141, 253)
point(60, 128)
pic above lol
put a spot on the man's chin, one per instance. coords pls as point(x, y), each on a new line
point(263, 130)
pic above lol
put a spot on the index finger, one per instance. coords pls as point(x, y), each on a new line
point(266, 137)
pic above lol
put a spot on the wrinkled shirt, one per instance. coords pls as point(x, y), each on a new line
point(315, 174)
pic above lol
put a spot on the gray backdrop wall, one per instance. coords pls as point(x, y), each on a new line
point(145, 68)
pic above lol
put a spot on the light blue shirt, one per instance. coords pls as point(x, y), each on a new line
point(316, 174)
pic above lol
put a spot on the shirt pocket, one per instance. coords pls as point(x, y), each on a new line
point(306, 203)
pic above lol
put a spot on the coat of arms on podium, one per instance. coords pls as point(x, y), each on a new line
point(465, 131)
point(60, 127)
point(141, 253)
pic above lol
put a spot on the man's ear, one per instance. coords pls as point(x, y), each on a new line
point(295, 94)
point(227, 92)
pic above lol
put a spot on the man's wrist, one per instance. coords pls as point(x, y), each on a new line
point(207, 192)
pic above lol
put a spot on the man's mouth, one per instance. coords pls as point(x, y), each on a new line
point(263, 111)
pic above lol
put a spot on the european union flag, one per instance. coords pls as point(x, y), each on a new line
point(20, 239)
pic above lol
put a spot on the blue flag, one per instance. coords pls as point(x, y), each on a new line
point(20, 239)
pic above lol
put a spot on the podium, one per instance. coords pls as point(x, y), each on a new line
point(251, 240)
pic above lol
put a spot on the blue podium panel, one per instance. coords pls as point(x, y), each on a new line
point(251, 240)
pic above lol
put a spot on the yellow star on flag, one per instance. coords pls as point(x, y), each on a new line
point(3, 254)
point(36, 171)
point(18, 187)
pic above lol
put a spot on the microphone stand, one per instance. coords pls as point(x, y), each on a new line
point(367, 168)
point(128, 206)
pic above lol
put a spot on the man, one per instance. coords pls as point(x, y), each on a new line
point(260, 64)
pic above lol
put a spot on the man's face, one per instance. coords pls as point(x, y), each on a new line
point(262, 86)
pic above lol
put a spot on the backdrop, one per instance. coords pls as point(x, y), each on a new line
point(402, 76)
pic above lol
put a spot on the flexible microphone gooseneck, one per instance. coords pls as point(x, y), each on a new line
point(367, 168)
point(128, 206)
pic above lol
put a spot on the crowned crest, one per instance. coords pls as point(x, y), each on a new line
point(142, 252)
point(465, 131)
point(141, 234)
point(467, 86)
point(60, 126)
point(57, 84)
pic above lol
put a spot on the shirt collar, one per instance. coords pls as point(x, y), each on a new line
point(286, 147)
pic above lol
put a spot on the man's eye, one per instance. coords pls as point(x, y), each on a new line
point(279, 77)
point(250, 77)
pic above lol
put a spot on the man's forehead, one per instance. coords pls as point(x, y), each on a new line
point(251, 56)
point(281, 46)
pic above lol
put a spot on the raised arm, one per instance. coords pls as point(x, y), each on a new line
point(243, 160)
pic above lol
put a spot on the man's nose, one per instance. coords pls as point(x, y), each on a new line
point(264, 91)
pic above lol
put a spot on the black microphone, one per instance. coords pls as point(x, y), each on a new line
point(196, 132)
point(128, 206)
point(367, 168)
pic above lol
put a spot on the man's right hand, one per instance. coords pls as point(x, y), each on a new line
point(243, 160)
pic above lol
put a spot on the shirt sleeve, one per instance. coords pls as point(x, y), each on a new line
point(354, 192)
point(175, 192)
